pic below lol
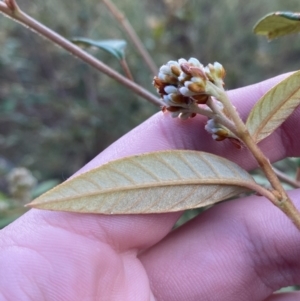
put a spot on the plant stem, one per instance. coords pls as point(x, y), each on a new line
point(280, 199)
point(132, 35)
point(284, 178)
point(198, 110)
point(219, 116)
point(19, 16)
point(12, 5)
point(126, 69)
point(298, 174)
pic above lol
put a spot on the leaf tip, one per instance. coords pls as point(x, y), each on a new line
point(32, 204)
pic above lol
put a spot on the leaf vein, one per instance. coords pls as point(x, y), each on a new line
point(186, 197)
point(190, 166)
point(142, 167)
point(122, 174)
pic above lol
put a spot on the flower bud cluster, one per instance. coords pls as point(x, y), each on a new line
point(188, 88)
point(185, 84)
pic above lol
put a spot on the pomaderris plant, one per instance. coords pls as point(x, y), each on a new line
point(169, 181)
point(179, 180)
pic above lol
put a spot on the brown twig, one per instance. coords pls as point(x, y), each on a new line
point(298, 174)
point(284, 178)
point(126, 69)
point(19, 16)
point(132, 35)
point(280, 197)
point(12, 5)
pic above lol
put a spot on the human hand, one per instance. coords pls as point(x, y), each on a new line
point(239, 250)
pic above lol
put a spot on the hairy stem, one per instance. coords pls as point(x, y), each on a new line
point(19, 16)
point(280, 199)
point(132, 35)
point(219, 116)
point(198, 110)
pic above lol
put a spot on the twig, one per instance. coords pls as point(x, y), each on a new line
point(298, 174)
point(132, 35)
point(126, 69)
point(283, 177)
point(18, 15)
point(280, 199)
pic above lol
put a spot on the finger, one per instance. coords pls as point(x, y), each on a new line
point(63, 256)
point(122, 232)
point(238, 250)
point(162, 132)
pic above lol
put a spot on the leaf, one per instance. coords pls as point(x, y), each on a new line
point(114, 47)
point(278, 24)
point(150, 183)
point(274, 107)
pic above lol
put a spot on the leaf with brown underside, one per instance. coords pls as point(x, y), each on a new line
point(274, 107)
point(277, 24)
point(156, 182)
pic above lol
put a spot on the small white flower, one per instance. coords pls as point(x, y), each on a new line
point(169, 101)
point(197, 80)
point(165, 69)
point(173, 63)
point(171, 89)
point(182, 77)
point(215, 73)
point(186, 92)
point(210, 126)
point(170, 63)
point(162, 76)
point(182, 61)
point(193, 61)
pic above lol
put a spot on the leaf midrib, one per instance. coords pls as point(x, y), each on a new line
point(156, 185)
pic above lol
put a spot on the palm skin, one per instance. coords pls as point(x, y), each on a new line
point(240, 250)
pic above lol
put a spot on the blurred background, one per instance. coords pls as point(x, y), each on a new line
point(56, 113)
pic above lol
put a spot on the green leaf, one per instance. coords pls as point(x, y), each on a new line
point(278, 24)
point(115, 47)
point(274, 107)
point(150, 183)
